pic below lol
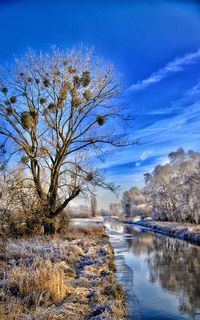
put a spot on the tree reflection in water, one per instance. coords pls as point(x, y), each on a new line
point(175, 264)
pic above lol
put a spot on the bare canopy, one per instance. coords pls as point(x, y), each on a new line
point(58, 111)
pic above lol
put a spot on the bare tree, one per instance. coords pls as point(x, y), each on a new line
point(58, 111)
point(93, 204)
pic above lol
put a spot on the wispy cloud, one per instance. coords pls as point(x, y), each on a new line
point(177, 65)
point(145, 154)
point(195, 91)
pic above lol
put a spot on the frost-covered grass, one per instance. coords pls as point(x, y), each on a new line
point(60, 278)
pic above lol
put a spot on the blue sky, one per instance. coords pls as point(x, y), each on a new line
point(155, 44)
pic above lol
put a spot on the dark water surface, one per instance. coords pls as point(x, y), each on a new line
point(161, 274)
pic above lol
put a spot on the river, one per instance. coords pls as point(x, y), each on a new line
point(161, 274)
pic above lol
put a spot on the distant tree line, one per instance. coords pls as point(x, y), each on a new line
point(134, 203)
point(171, 191)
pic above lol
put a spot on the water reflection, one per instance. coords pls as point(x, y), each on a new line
point(114, 225)
point(174, 264)
point(166, 274)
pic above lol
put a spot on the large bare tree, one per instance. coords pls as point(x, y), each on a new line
point(57, 112)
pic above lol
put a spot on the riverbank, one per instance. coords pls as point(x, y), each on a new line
point(57, 278)
point(187, 232)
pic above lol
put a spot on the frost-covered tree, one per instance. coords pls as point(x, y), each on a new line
point(173, 189)
point(115, 209)
point(134, 203)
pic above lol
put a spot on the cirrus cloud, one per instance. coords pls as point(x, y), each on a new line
point(177, 65)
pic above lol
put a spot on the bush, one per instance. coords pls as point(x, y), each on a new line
point(19, 224)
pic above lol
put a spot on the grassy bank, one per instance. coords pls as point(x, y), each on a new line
point(60, 278)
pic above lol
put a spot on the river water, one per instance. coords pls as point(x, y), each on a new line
point(161, 274)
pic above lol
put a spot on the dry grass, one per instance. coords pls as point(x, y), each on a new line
point(12, 310)
point(60, 277)
point(86, 230)
point(74, 215)
point(120, 305)
point(41, 280)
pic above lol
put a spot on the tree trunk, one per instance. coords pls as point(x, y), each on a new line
point(50, 212)
point(74, 194)
point(49, 226)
